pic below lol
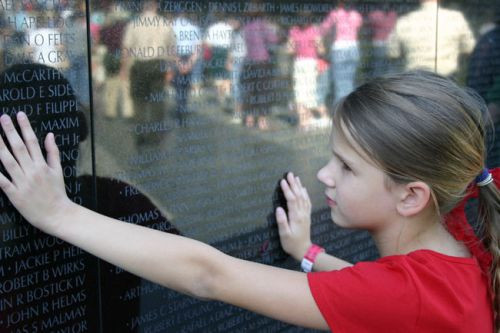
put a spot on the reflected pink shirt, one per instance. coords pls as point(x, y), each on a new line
point(347, 24)
point(381, 24)
point(304, 41)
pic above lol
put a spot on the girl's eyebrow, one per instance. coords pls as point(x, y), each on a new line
point(345, 160)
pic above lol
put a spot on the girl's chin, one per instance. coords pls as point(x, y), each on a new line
point(350, 225)
point(342, 223)
point(338, 221)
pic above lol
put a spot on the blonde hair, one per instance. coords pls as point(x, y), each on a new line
point(421, 126)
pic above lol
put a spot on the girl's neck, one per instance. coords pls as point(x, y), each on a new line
point(403, 238)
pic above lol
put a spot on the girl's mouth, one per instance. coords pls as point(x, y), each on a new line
point(331, 202)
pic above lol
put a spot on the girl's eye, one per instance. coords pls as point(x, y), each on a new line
point(345, 167)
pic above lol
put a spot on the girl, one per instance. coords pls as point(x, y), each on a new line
point(396, 141)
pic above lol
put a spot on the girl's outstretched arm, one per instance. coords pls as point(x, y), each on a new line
point(36, 189)
point(295, 229)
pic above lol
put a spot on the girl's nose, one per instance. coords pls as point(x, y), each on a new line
point(325, 176)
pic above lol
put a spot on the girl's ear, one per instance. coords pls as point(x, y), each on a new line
point(413, 199)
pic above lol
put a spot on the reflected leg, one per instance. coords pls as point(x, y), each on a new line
point(111, 95)
point(182, 84)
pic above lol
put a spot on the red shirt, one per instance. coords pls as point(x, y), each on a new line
point(423, 291)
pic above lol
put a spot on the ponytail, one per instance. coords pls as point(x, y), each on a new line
point(489, 218)
point(486, 250)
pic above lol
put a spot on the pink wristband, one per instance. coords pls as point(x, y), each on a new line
point(310, 257)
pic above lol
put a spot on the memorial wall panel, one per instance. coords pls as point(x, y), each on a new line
point(46, 285)
point(192, 113)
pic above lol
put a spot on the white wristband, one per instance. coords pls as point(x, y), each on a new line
point(306, 265)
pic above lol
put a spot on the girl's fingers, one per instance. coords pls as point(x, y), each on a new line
point(286, 190)
point(306, 195)
point(301, 187)
point(9, 162)
point(53, 158)
point(281, 218)
point(298, 181)
point(295, 188)
point(298, 188)
point(292, 180)
point(29, 137)
point(5, 184)
point(16, 143)
point(303, 190)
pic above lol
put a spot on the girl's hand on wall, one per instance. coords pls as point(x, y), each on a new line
point(36, 187)
point(295, 229)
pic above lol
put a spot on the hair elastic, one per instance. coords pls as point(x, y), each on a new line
point(484, 178)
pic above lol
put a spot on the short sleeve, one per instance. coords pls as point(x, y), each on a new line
point(367, 297)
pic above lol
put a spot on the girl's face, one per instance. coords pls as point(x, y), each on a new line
point(356, 189)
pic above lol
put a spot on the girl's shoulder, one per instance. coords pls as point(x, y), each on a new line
point(432, 266)
point(426, 256)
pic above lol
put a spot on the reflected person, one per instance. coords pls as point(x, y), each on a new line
point(381, 22)
point(345, 22)
point(234, 65)
point(431, 38)
point(188, 40)
point(217, 42)
point(305, 44)
point(260, 36)
point(77, 71)
point(149, 50)
point(117, 100)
